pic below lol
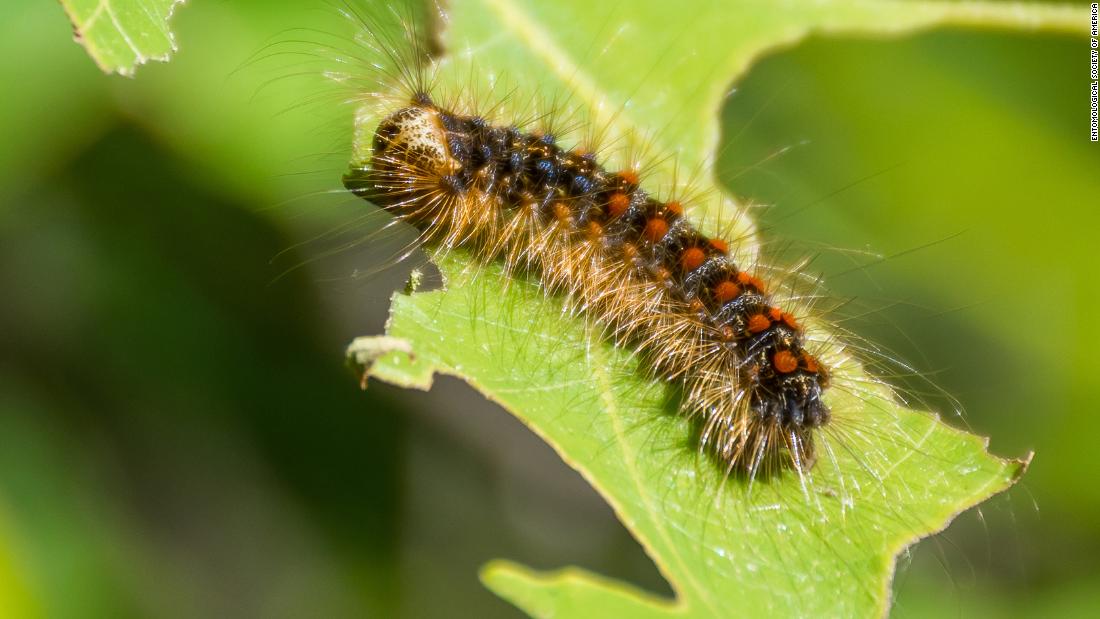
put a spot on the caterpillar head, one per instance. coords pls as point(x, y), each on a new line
point(413, 140)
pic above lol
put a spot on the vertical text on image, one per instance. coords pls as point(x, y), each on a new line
point(1093, 77)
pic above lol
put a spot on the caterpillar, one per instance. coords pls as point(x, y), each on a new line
point(634, 264)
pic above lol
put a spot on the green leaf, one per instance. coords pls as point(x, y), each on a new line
point(725, 548)
point(122, 34)
point(822, 546)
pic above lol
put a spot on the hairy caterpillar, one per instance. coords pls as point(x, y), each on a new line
point(632, 263)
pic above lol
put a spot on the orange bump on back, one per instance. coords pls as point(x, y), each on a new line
point(745, 279)
point(810, 363)
point(758, 323)
point(692, 258)
point(726, 291)
point(785, 362)
point(789, 320)
point(618, 203)
point(655, 229)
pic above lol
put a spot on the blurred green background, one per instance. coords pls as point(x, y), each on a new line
point(180, 437)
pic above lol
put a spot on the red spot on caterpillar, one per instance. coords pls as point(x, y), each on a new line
point(784, 362)
point(810, 363)
point(675, 208)
point(789, 320)
point(775, 313)
point(655, 229)
point(618, 203)
point(726, 291)
point(758, 323)
point(629, 176)
point(692, 258)
point(745, 279)
point(720, 246)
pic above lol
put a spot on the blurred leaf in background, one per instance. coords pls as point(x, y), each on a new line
point(173, 428)
point(179, 438)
